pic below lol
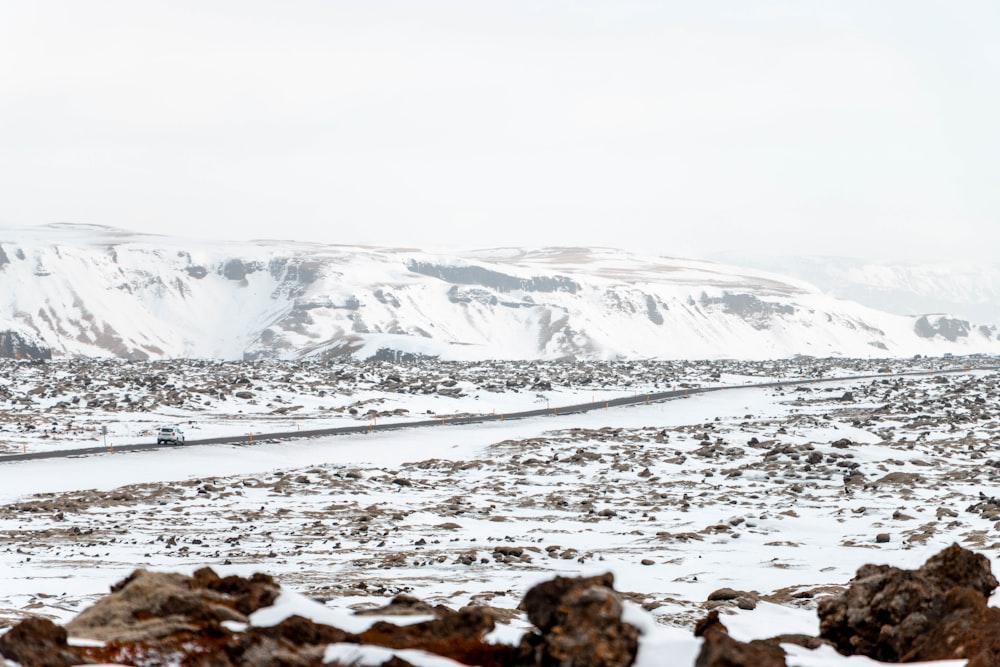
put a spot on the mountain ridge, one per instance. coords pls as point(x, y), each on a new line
point(105, 292)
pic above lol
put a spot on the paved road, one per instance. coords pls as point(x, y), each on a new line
point(475, 419)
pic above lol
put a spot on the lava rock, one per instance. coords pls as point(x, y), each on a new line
point(157, 604)
point(718, 649)
point(38, 642)
point(896, 615)
point(580, 624)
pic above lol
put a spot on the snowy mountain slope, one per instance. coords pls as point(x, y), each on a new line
point(94, 291)
point(964, 289)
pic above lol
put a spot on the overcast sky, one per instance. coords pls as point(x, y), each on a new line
point(865, 128)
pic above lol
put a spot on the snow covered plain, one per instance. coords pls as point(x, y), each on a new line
point(777, 492)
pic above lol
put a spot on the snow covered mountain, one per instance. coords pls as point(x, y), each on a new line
point(967, 290)
point(83, 290)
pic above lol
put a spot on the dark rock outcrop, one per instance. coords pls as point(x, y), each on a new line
point(168, 618)
point(15, 346)
point(158, 604)
point(501, 282)
point(938, 611)
point(38, 642)
point(718, 649)
point(949, 328)
point(579, 623)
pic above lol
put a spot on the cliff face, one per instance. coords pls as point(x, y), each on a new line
point(93, 291)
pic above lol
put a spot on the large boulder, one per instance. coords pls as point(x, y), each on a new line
point(38, 642)
point(579, 622)
point(938, 611)
point(149, 605)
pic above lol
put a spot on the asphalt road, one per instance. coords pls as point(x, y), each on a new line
point(560, 411)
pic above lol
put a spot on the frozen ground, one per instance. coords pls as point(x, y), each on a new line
point(778, 493)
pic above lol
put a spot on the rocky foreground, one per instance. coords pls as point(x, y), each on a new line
point(936, 612)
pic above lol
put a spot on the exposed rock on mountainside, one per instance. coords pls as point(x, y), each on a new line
point(967, 289)
point(95, 291)
point(936, 612)
point(14, 345)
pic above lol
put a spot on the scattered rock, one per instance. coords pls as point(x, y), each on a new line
point(152, 618)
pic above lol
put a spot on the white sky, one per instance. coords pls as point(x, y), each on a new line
point(864, 128)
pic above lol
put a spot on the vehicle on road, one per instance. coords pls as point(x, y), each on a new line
point(170, 435)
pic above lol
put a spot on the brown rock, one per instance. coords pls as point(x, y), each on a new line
point(456, 635)
point(38, 642)
point(580, 624)
point(728, 596)
point(971, 630)
point(404, 605)
point(724, 594)
point(148, 605)
point(891, 615)
point(720, 650)
point(955, 566)
point(300, 631)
